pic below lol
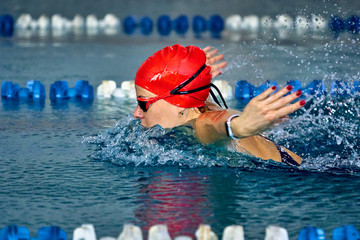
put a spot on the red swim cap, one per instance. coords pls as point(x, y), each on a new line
point(170, 67)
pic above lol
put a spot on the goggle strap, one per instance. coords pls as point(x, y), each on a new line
point(173, 92)
point(215, 98)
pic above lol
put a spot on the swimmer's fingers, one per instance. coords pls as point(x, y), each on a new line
point(207, 49)
point(265, 94)
point(214, 59)
point(280, 101)
point(216, 69)
point(284, 111)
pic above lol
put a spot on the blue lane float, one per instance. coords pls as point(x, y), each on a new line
point(60, 90)
point(34, 90)
point(311, 233)
point(51, 233)
point(338, 25)
point(14, 233)
point(246, 91)
point(6, 25)
point(347, 232)
point(131, 23)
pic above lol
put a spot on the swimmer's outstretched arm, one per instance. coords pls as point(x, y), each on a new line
point(261, 113)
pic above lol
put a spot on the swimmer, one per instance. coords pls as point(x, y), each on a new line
point(173, 86)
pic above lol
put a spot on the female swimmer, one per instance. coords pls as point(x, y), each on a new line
point(173, 86)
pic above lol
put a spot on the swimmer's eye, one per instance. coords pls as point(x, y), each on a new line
point(142, 105)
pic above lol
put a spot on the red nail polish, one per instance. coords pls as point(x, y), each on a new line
point(289, 87)
point(220, 73)
point(298, 92)
point(302, 103)
point(273, 88)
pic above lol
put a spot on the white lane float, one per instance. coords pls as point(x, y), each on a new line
point(251, 23)
point(130, 232)
point(233, 23)
point(85, 232)
point(78, 21)
point(234, 232)
point(319, 23)
point(24, 21)
point(43, 22)
point(276, 233)
point(266, 22)
point(302, 24)
point(159, 232)
point(225, 88)
point(204, 232)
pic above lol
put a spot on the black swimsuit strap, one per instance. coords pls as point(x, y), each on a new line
point(285, 157)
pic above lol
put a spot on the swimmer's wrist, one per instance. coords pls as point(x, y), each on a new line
point(229, 129)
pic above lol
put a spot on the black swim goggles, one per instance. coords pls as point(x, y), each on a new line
point(144, 103)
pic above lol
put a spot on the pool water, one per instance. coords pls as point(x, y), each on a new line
point(71, 162)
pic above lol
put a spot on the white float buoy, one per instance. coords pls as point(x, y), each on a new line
point(130, 232)
point(92, 21)
point(128, 88)
point(159, 232)
point(106, 89)
point(183, 238)
point(233, 23)
point(43, 22)
point(318, 23)
point(57, 22)
point(266, 22)
point(85, 232)
point(251, 23)
point(234, 232)
point(24, 21)
point(302, 24)
point(224, 87)
point(107, 238)
point(111, 21)
point(78, 21)
point(204, 233)
point(276, 233)
point(284, 21)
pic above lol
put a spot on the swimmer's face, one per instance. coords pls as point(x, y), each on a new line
point(160, 112)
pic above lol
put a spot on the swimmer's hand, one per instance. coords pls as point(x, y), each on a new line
point(265, 110)
point(213, 59)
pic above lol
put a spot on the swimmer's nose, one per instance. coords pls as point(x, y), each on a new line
point(138, 113)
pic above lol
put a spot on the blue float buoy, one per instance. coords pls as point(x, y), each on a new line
point(199, 24)
point(216, 25)
point(129, 25)
point(315, 88)
point(340, 89)
point(243, 90)
point(311, 233)
point(146, 25)
point(258, 90)
point(84, 90)
point(9, 90)
point(164, 25)
point(347, 232)
point(353, 24)
point(59, 90)
point(14, 233)
point(357, 87)
point(181, 24)
point(36, 89)
point(6, 25)
point(336, 25)
point(51, 233)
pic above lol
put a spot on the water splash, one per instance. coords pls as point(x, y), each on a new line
point(326, 134)
point(130, 143)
